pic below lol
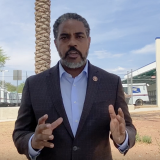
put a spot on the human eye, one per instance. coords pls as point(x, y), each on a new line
point(80, 37)
point(63, 37)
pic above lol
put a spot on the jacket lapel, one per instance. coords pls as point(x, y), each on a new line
point(53, 83)
point(92, 87)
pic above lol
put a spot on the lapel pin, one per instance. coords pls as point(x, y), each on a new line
point(95, 78)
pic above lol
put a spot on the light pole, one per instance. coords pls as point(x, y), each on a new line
point(3, 77)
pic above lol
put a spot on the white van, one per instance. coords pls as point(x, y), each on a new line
point(139, 93)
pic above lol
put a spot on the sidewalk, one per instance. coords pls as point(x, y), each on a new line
point(12, 112)
point(145, 109)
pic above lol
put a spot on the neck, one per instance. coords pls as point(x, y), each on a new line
point(74, 71)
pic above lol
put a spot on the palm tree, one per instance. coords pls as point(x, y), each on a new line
point(42, 18)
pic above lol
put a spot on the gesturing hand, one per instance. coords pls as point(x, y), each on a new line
point(117, 125)
point(43, 133)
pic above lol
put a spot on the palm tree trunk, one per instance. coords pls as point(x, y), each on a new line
point(42, 18)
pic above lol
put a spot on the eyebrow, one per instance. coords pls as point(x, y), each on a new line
point(66, 34)
point(79, 33)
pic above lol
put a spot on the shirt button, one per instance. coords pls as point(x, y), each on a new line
point(74, 101)
point(75, 148)
point(76, 121)
point(74, 85)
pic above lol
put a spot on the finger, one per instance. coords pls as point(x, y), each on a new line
point(56, 123)
point(42, 119)
point(46, 144)
point(120, 112)
point(122, 129)
point(120, 119)
point(114, 125)
point(112, 112)
point(39, 141)
point(40, 128)
point(43, 137)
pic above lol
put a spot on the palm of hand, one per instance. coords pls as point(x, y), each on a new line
point(117, 130)
point(117, 125)
point(47, 131)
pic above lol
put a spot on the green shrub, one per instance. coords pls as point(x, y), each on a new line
point(138, 138)
point(146, 139)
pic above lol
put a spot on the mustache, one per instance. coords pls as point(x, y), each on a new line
point(73, 49)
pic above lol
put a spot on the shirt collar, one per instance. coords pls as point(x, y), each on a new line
point(62, 71)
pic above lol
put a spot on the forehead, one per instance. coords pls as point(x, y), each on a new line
point(71, 26)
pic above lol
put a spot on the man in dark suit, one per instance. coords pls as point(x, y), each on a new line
point(70, 111)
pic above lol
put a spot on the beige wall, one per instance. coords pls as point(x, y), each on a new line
point(8, 113)
point(158, 69)
point(151, 87)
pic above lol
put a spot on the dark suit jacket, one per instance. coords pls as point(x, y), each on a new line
point(42, 95)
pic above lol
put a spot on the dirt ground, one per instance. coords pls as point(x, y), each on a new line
point(146, 123)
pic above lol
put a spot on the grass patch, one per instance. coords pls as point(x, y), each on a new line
point(143, 139)
point(146, 139)
point(138, 138)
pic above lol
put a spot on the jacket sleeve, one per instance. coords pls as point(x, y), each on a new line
point(25, 124)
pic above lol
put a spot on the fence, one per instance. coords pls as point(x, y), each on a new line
point(138, 89)
point(10, 89)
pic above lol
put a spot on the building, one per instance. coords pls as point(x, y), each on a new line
point(149, 74)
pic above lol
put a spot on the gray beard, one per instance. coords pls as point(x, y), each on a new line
point(72, 64)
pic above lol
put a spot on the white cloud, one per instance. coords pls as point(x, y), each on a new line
point(21, 61)
point(113, 34)
point(105, 54)
point(117, 55)
point(118, 70)
point(23, 57)
point(148, 49)
point(24, 27)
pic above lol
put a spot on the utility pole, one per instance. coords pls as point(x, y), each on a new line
point(3, 77)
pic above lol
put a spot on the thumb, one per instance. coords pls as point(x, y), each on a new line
point(43, 119)
point(112, 112)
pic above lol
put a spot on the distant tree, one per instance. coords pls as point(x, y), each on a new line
point(3, 58)
point(10, 87)
point(20, 87)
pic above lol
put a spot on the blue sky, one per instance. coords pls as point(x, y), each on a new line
point(123, 32)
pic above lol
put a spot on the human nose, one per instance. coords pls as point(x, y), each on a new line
point(72, 42)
